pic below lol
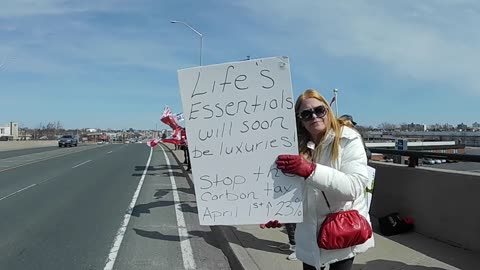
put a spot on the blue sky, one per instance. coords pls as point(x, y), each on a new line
point(113, 63)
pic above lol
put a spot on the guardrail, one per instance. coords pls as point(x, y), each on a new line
point(415, 155)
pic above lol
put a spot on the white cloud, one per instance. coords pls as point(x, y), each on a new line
point(73, 45)
point(431, 41)
point(15, 8)
point(434, 41)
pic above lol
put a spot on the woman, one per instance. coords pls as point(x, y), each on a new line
point(332, 159)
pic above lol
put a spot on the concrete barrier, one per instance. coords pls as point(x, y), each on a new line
point(17, 145)
point(443, 203)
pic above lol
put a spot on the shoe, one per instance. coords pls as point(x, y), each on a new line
point(292, 257)
point(286, 247)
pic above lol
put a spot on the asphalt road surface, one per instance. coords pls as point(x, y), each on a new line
point(21, 152)
point(462, 166)
point(101, 207)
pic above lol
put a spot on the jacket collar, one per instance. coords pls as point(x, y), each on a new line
point(346, 132)
point(328, 139)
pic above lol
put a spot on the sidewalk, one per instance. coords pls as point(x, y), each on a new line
point(251, 248)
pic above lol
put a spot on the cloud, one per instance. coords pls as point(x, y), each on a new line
point(75, 44)
point(16, 8)
point(434, 41)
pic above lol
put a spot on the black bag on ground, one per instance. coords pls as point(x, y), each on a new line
point(394, 224)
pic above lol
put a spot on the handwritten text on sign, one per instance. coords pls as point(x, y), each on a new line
point(239, 118)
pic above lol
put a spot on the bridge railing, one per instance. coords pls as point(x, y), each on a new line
point(442, 202)
point(414, 156)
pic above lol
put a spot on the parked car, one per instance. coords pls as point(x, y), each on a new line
point(68, 140)
point(429, 161)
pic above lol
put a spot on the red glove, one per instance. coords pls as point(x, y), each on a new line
point(295, 164)
point(271, 224)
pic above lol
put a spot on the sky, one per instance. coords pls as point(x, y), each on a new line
point(113, 63)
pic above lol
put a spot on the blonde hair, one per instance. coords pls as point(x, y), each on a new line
point(332, 123)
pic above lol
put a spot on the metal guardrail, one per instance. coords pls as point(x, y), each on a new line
point(426, 147)
point(415, 155)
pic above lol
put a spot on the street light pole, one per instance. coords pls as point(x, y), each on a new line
point(196, 32)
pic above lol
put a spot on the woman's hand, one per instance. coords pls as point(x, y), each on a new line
point(271, 224)
point(295, 164)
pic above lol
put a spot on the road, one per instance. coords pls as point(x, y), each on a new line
point(473, 167)
point(21, 152)
point(101, 207)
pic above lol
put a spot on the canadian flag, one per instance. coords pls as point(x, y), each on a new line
point(178, 137)
point(166, 111)
point(152, 143)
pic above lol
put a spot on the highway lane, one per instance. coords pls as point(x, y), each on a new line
point(21, 152)
point(27, 170)
point(153, 239)
point(65, 213)
point(16, 161)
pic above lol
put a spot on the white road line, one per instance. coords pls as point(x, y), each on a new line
point(80, 164)
point(112, 255)
point(187, 253)
point(20, 190)
point(109, 152)
point(25, 188)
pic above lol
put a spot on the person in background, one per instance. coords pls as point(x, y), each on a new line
point(348, 119)
point(290, 246)
point(332, 159)
point(184, 147)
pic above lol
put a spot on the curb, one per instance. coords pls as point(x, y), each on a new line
point(237, 256)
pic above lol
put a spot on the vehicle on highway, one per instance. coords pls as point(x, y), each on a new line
point(67, 140)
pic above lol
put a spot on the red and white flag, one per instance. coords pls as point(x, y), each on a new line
point(178, 137)
point(166, 111)
point(153, 143)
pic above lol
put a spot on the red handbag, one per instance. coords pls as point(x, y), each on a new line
point(343, 229)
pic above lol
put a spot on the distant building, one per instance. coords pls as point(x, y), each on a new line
point(9, 132)
point(91, 130)
point(462, 127)
point(413, 127)
point(113, 135)
point(476, 125)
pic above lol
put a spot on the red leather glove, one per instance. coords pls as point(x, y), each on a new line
point(295, 164)
point(271, 224)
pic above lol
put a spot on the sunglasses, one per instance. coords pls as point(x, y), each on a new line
point(307, 115)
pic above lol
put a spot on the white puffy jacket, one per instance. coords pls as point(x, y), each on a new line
point(344, 184)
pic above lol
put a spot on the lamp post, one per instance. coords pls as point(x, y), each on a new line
point(196, 32)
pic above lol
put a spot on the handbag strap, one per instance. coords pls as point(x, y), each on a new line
point(326, 200)
point(328, 204)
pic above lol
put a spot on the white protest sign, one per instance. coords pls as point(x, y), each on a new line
point(239, 117)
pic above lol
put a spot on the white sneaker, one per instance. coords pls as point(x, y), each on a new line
point(292, 257)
